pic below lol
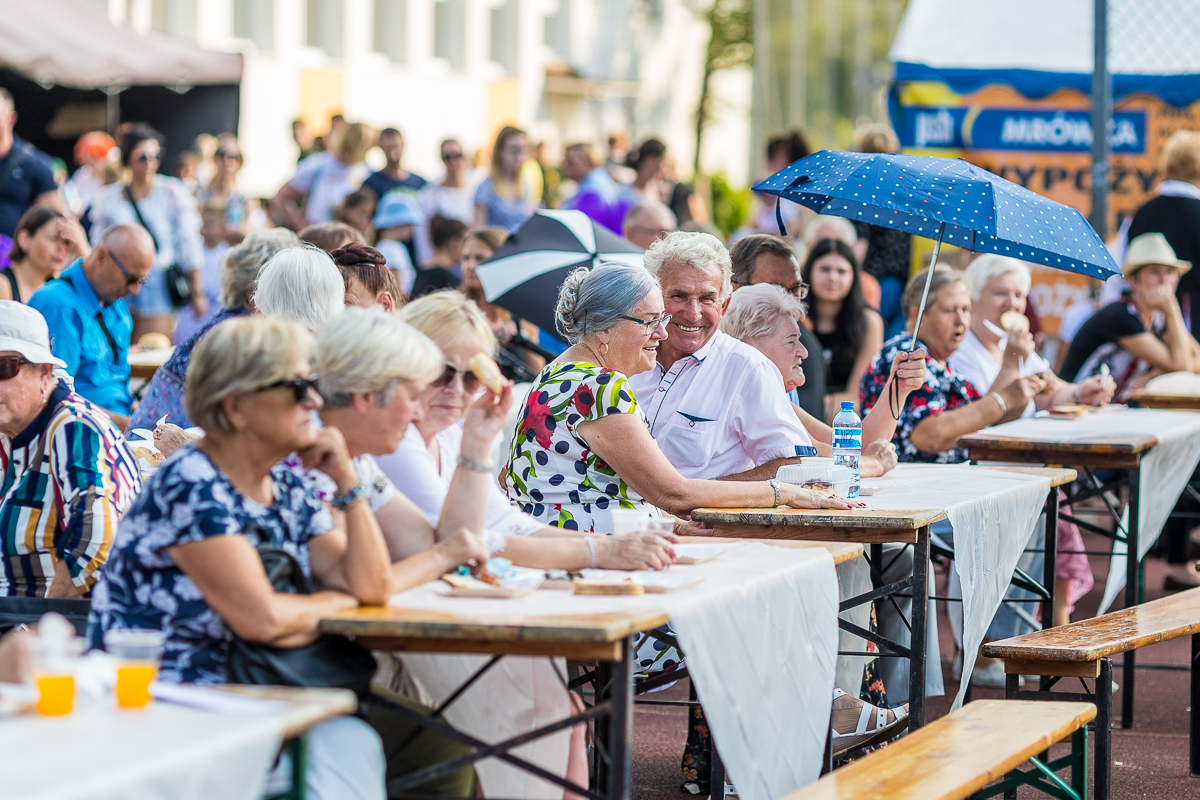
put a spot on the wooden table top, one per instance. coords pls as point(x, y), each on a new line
point(955, 756)
point(1118, 450)
point(307, 707)
point(1182, 402)
point(1092, 639)
point(144, 363)
point(856, 525)
point(596, 636)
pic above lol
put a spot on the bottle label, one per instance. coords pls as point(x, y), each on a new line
point(847, 438)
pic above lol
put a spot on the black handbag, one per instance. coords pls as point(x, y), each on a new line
point(330, 661)
point(179, 285)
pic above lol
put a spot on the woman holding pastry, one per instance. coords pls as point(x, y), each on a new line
point(998, 347)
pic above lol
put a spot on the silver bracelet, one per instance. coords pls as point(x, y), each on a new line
point(591, 543)
point(472, 465)
point(1000, 400)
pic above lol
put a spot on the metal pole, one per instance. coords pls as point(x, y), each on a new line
point(1101, 113)
point(797, 104)
point(762, 66)
point(937, 248)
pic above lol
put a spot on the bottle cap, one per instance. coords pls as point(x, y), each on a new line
point(847, 405)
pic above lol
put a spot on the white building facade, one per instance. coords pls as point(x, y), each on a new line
point(564, 70)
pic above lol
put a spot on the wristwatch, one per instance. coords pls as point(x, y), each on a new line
point(775, 485)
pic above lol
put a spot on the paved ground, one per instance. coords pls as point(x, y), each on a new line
point(1150, 760)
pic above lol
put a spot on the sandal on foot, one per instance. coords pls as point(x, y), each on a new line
point(862, 735)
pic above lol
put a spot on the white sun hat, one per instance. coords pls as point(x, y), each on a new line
point(23, 330)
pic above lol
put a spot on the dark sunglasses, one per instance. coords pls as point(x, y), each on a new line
point(227, 154)
point(130, 279)
point(10, 366)
point(145, 158)
point(300, 387)
point(470, 381)
point(451, 156)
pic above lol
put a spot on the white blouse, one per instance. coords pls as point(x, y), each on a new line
point(973, 361)
point(413, 470)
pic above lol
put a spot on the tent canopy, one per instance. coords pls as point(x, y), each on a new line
point(1038, 46)
point(73, 43)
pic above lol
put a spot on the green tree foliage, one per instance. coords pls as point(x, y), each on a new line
point(730, 44)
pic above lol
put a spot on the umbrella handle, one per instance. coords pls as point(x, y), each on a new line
point(937, 246)
point(779, 218)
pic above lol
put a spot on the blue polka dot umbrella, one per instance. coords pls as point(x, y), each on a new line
point(947, 200)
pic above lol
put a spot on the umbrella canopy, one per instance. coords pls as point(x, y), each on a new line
point(946, 199)
point(525, 274)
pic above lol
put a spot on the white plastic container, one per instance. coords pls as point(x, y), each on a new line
point(823, 475)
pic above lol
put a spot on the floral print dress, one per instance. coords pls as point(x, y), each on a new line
point(552, 473)
point(190, 500)
point(944, 390)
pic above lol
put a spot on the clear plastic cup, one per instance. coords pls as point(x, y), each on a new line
point(138, 654)
point(658, 525)
point(54, 663)
point(628, 520)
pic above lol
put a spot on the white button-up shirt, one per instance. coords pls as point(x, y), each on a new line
point(720, 411)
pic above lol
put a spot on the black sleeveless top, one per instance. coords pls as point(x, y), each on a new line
point(837, 371)
point(12, 283)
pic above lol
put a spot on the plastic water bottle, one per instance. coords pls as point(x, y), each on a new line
point(847, 443)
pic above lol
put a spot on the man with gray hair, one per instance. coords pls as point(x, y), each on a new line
point(716, 406)
point(26, 178)
point(90, 325)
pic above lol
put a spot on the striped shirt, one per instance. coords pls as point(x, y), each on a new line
point(67, 479)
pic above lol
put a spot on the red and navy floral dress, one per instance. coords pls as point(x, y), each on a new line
point(944, 390)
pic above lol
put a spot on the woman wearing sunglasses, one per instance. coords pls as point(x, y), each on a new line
point(163, 206)
point(223, 192)
point(66, 472)
point(426, 461)
point(185, 561)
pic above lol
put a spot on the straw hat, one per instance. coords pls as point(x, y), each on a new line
point(1151, 248)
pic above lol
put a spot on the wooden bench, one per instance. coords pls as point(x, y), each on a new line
point(960, 754)
point(1083, 649)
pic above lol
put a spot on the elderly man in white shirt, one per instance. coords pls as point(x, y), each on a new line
point(716, 406)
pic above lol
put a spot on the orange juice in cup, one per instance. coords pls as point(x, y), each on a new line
point(56, 694)
point(138, 654)
point(54, 654)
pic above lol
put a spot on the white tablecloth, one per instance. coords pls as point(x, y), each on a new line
point(164, 751)
point(760, 633)
point(993, 514)
point(1166, 468)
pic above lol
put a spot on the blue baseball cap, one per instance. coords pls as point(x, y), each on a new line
point(397, 207)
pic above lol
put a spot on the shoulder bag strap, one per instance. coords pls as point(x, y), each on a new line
point(137, 212)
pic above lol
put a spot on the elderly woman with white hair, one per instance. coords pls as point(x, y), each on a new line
point(768, 318)
point(998, 346)
point(240, 267)
point(303, 284)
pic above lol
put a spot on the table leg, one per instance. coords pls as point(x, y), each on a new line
point(716, 776)
point(1194, 733)
point(1104, 729)
point(920, 628)
point(620, 731)
point(1050, 554)
point(1133, 589)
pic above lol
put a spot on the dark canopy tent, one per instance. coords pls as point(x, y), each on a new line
point(71, 70)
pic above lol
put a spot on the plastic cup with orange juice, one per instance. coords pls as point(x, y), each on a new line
point(138, 653)
point(54, 659)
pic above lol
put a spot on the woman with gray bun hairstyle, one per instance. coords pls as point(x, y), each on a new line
point(582, 447)
point(302, 284)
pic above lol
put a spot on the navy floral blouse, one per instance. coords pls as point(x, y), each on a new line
point(944, 390)
point(189, 500)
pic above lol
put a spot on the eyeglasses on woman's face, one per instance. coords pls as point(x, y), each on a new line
point(303, 389)
point(470, 381)
point(651, 324)
point(10, 366)
point(233, 155)
point(453, 155)
point(146, 158)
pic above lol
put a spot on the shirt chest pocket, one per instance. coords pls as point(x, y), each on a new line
point(693, 438)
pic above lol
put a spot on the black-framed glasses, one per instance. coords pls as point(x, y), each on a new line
point(470, 380)
point(798, 291)
point(452, 156)
point(300, 387)
point(10, 366)
point(651, 324)
point(228, 154)
point(146, 158)
point(130, 278)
